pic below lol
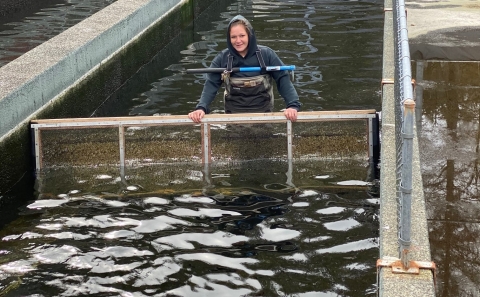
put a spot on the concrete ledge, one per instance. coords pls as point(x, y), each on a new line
point(35, 78)
point(388, 202)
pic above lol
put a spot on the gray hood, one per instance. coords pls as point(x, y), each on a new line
point(252, 39)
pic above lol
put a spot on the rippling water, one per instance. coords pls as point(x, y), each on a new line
point(249, 229)
point(25, 30)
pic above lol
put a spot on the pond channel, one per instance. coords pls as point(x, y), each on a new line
point(252, 228)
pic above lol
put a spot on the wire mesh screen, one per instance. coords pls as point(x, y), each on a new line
point(79, 147)
point(156, 180)
point(172, 143)
point(175, 144)
point(333, 139)
point(100, 146)
point(236, 142)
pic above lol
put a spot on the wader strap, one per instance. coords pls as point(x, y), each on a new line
point(229, 63)
point(228, 70)
point(260, 60)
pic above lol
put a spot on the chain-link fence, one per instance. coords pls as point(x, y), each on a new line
point(404, 132)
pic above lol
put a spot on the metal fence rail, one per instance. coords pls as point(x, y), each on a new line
point(404, 136)
point(121, 123)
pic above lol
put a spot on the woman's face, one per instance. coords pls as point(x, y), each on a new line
point(239, 38)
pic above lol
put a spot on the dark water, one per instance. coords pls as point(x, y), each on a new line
point(30, 27)
point(336, 47)
point(257, 228)
point(448, 97)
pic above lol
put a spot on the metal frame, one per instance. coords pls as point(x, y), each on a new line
point(121, 122)
point(413, 267)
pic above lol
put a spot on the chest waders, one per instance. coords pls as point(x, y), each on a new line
point(248, 94)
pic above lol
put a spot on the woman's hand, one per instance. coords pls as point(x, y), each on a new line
point(196, 115)
point(291, 114)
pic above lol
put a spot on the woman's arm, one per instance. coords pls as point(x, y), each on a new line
point(211, 86)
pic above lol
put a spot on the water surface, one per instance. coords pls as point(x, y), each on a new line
point(263, 228)
point(30, 27)
point(448, 104)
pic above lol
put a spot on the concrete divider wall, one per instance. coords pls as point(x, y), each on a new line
point(392, 284)
point(73, 73)
point(35, 78)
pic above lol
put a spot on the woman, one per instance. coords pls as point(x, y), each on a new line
point(246, 91)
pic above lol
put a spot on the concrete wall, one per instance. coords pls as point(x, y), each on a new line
point(73, 73)
point(34, 79)
point(392, 284)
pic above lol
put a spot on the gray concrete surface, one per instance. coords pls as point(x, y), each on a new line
point(444, 29)
point(39, 76)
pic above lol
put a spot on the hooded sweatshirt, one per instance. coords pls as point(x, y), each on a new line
point(214, 80)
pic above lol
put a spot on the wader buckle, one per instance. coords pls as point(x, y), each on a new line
point(226, 74)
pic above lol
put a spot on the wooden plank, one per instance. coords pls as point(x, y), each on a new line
point(121, 144)
point(206, 144)
point(183, 119)
point(289, 140)
point(38, 148)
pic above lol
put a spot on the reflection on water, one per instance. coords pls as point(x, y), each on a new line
point(171, 232)
point(448, 99)
point(29, 28)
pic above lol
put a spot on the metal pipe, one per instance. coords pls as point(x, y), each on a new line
point(406, 181)
point(240, 69)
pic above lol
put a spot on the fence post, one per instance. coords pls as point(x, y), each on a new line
point(406, 181)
